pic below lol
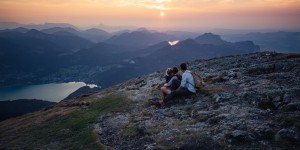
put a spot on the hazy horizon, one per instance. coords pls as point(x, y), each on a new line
point(113, 28)
point(157, 14)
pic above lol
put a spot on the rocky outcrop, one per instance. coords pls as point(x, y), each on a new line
point(248, 101)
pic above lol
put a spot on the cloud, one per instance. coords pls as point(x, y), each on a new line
point(152, 4)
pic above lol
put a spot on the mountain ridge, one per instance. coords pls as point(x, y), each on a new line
point(140, 39)
point(249, 101)
point(103, 60)
point(276, 41)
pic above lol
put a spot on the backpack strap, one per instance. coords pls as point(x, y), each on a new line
point(194, 80)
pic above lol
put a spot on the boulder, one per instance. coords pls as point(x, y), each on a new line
point(288, 135)
point(239, 136)
point(264, 132)
point(294, 106)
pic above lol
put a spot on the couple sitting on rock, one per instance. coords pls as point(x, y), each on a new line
point(176, 85)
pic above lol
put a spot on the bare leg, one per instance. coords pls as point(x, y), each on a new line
point(167, 91)
point(161, 101)
point(162, 95)
point(164, 91)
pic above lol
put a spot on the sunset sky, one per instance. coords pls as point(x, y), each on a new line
point(233, 14)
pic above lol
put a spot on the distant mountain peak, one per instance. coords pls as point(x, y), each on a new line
point(96, 31)
point(210, 38)
point(142, 29)
point(34, 32)
point(209, 34)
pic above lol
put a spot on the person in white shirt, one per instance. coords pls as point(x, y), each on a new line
point(187, 81)
point(187, 86)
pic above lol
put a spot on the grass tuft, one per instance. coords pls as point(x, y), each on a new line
point(75, 131)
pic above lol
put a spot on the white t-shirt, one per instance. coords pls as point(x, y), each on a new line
point(188, 81)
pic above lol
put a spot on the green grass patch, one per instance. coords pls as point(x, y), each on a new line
point(132, 130)
point(75, 131)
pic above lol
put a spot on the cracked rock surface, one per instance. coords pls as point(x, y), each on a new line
point(248, 101)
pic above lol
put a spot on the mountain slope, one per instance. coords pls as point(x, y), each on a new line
point(95, 35)
point(15, 108)
point(99, 54)
point(140, 39)
point(60, 29)
point(24, 57)
point(64, 43)
point(69, 42)
point(273, 41)
point(26, 51)
point(191, 49)
point(249, 101)
point(126, 64)
point(34, 42)
point(207, 45)
point(29, 57)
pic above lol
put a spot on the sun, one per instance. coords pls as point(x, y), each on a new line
point(162, 13)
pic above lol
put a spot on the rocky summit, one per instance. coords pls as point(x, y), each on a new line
point(248, 101)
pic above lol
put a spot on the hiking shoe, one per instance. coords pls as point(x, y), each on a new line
point(154, 102)
point(157, 104)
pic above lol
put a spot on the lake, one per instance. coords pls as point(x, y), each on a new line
point(53, 92)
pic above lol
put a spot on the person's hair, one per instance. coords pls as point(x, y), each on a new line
point(175, 70)
point(183, 66)
point(169, 71)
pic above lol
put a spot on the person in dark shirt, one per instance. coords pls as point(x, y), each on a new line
point(169, 74)
point(172, 84)
point(184, 88)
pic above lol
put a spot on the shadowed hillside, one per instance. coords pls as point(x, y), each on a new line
point(9, 109)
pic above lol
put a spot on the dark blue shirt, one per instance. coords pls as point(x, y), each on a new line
point(168, 78)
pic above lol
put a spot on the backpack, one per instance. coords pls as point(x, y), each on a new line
point(197, 79)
